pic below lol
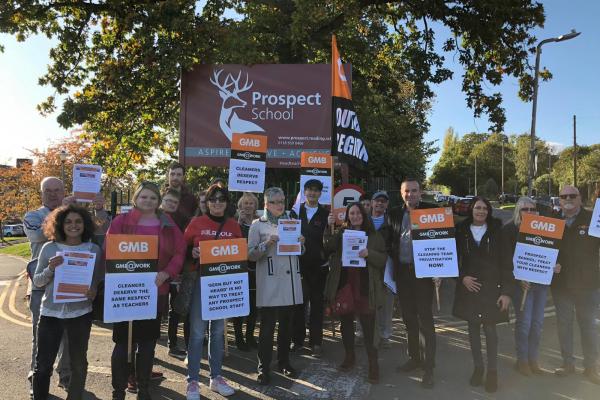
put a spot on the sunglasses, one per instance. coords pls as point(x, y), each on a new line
point(568, 196)
point(528, 209)
point(217, 200)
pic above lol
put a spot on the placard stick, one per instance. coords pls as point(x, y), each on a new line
point(129, 342)
point(225, 337)
point(331, 227)
point(437, 296)
point(524, 298)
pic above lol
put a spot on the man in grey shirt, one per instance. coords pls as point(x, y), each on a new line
point(53, 196)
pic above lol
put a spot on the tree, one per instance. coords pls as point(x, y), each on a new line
point(118, 62)
point(19, 190)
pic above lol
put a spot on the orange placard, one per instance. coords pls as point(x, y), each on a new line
point(248, 142)
point(339, 82)
point(431, 218)
point(315, 160)
point(133, 247)
point(225, 250)
point(72, 288)
point(542, 226)
point(340, 215)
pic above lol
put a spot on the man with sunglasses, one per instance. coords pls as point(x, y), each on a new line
point(313, 269)
point(574, 290)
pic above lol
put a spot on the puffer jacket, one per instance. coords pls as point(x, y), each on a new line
point(277, 277)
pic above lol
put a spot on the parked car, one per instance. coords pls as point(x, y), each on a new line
point(461, 206)
point(13, 230)
point(439, 197)
point(508, 198)
point(555, 203)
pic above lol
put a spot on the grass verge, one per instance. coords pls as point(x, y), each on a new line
point(21, 249)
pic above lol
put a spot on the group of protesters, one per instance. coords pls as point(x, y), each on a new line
point(294, 292)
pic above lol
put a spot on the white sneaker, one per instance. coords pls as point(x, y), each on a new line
point(193, 391)
point(219, 385)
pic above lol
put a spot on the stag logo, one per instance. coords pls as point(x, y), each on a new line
point(229, 92)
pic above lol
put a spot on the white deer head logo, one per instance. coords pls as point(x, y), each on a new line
point(229, 91)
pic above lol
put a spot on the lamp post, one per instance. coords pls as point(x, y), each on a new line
point(538, 52)
point(63, 157)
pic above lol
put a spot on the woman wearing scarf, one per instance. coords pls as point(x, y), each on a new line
point(278, 286)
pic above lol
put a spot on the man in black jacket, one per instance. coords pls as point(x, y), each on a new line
point(313, 268)
point(415, 295)
point(574, 289)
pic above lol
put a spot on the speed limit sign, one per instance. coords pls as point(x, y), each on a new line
point(344, 195)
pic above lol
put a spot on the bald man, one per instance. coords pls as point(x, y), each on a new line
point(53, 196)
point(574, 289)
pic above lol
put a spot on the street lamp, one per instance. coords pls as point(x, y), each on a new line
point(538, 52)
point(63, 157)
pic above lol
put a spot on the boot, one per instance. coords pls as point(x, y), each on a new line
point(523, 368)
point(349, 361)
point(476, 377)
point(491, 381)
point(373, 376)
point(535, 367)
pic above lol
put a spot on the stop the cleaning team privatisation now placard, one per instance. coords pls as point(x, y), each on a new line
point(434, 246)
point(130, 291)
point(248, 163)
point(224, 278)
point(537, 248)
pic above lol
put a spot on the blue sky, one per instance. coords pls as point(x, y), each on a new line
point(575, 89)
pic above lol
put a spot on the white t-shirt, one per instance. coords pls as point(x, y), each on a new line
point(478, 231)
point(310, 211)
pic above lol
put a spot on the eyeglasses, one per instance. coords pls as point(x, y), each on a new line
point(276, 202)
point(217, 200)
point(568, 196)
point(528, 209)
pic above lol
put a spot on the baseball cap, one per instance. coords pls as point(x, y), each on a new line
point(380, 193)
point(314, 183)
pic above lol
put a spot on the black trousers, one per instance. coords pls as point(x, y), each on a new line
point(491, 344)
point(174, 320)
point(143, 359)
point(49, 335)
point(250, 319)
point(367, 321)
point(313, 286)
point(268, 317)
point(416, 300)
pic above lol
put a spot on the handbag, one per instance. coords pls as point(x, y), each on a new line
point(189, 280)
point(344, 301)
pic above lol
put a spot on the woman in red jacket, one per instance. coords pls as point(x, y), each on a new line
point(145, 219)
point(215, 224)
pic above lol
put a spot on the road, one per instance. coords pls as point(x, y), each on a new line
point(318, 378)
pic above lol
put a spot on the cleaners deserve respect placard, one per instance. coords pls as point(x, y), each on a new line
point(130, 291)
point(433, 242)
point(224, 278)
point(536, 250)
point(247, 165)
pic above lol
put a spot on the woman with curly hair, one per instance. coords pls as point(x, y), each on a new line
point(69, 228)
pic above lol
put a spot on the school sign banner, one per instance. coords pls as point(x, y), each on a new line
point(289, 103)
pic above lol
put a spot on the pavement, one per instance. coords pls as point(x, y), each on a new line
point(318, 378)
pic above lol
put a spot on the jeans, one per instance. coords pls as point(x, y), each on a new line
point(50, 332)
point(580, 303)
point(216, 342)
point(63, 368)
point(491, 344)
point(528, 329)
point(268, 317)
point(384, 317)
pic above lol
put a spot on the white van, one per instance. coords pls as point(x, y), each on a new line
point(13, 230)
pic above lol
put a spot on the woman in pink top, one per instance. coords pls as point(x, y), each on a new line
point(145, 219)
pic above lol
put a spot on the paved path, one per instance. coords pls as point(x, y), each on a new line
point(318, 379)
